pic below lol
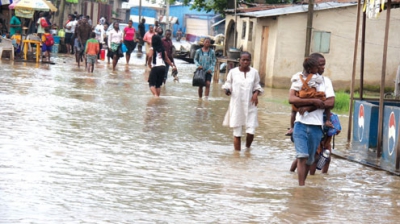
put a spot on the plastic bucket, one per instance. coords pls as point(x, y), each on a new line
point(61, 33)
point(233, 53)
point(55, 48)
point(102, 54)
point(56, 39)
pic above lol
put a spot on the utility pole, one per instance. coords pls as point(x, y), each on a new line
point(61, 14)
point(234, 33)
point(167, 15)
point(310, 16)
point(140, 12)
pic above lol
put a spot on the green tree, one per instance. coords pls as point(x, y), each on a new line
point(219, 6)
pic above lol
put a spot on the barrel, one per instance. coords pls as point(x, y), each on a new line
point(234, 53)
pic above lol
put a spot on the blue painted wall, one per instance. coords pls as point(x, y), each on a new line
point(176, 11)
point(147, 12)
point(180, 11)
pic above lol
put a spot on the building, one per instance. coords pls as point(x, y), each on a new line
point(182, 17)
point(276, 38)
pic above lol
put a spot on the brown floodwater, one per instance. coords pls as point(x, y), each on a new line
point(98, 148)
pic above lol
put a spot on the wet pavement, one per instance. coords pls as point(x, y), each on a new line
point(98, 148)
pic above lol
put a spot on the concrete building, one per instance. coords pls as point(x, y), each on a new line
point(276, 38)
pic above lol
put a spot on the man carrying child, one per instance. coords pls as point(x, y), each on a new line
point(307, 131)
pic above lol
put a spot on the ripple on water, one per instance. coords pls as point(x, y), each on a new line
point(97, 148)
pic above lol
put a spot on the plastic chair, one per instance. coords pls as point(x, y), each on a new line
point(6, 45)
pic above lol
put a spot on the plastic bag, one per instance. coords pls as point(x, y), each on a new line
point(199, 78)
point(336, 126)
point(124, 48)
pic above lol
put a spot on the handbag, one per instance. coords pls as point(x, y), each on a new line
point(124, 48)
point(199, 78)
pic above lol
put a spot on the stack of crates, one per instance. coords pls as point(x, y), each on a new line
point(56, 47)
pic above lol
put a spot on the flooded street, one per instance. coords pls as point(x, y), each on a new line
point(98, 148)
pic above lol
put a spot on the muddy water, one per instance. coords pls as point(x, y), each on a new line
point(97, 148)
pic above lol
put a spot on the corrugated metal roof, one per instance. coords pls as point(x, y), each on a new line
point(295, 9)
point(217, 23)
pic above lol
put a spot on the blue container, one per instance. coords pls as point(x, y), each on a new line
point(55, 48)
point(365, 124)
point(390, 137)
point(56, 39)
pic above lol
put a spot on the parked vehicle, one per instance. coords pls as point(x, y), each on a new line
point(186, 50)
point(121, 26)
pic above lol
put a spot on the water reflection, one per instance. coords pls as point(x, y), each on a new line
point(92, 148)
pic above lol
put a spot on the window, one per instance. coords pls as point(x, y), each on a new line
point(322, 41)
point(251, 31)
point(244, 30)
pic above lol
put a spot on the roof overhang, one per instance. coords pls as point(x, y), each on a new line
point(295, 9)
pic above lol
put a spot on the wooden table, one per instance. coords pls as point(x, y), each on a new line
point(231, 63)
point(38, 48)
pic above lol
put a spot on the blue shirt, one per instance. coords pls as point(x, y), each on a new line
point(205, 59)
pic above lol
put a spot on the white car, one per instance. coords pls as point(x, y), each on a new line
point(121, 26)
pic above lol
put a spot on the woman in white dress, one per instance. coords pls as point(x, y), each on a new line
point(243, 85)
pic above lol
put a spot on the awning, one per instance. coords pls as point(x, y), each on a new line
point(217, 23)
point(51, 6)
point(172, 20)
point(149, 20)
point(5, 2)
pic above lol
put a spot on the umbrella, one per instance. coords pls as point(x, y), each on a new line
point(51, 6)
point(26, 8)
point(5, 2)
point(32, 5)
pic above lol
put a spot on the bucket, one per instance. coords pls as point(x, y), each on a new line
point(56, 39)
point(61, 33)
point(102, 54)
point(234, 53)
point(55, 48)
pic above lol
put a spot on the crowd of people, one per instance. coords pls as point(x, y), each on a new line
point(311, 94)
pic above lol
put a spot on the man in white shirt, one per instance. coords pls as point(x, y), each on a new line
point(307, 131)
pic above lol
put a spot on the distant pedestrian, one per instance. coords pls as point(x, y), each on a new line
point(100, 35)
point(89, 20)
point(3, 30)
point(40, 23)
point(205, 59)
point(115, 38)
point(147, 39)
point(129, 40)
point(102, 20)
point(168, 46)
point(157, 60)
point(243, 85)
point(106, 32)
point(178, 35)
point(69, 33)
point(159, 31)
point(92, 50)
point(15, 24)
point(16, 41)
point(47, 43)
point(83, 32)
point(142, 31)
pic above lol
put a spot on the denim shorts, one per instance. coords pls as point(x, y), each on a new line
point(306, 140)
point(91, 59)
